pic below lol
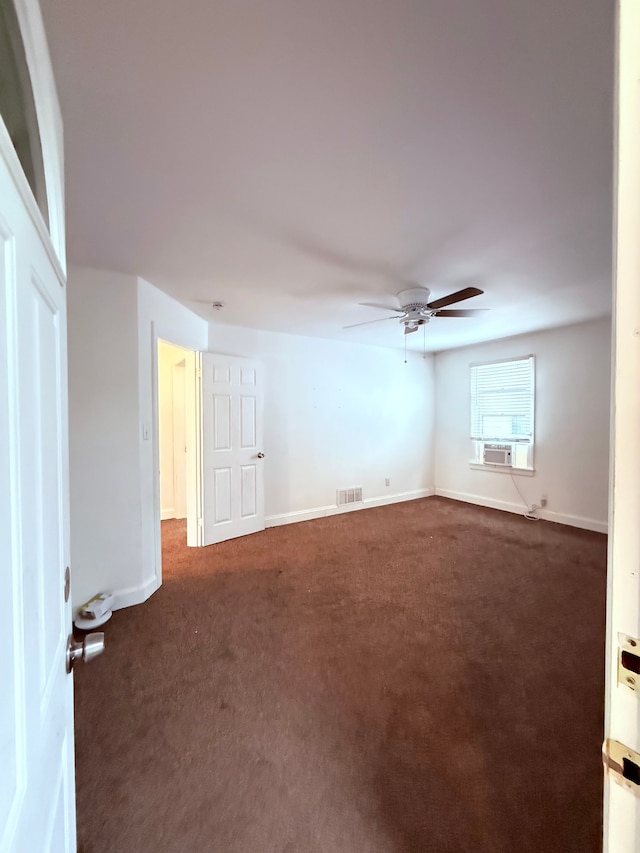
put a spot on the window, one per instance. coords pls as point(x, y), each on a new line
point(502, 411)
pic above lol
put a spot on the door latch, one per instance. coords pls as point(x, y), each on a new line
point(629, 662)
point(622, 764)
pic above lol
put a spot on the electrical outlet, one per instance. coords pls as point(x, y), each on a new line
point(543, 500)
point(387, 481)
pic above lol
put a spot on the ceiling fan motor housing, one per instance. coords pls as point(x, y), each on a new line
point(414, 299)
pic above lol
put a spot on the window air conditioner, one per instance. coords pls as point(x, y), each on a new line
point(497, 454)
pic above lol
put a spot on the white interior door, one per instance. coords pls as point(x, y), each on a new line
point(37, 802)
point(37, 811)
point(622, 718)
point(232, 447)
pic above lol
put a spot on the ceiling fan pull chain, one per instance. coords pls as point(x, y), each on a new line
point(405, 349)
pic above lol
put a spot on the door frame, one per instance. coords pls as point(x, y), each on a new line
point(622, 706)
point(167, 375)
point(159, 333)
point(179, 454)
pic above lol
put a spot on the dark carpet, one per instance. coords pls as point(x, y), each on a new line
point(426, 676)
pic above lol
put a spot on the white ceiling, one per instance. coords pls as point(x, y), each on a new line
point(292, 158)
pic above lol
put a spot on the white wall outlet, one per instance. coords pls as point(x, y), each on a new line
point(387, 481)
point(543, 500)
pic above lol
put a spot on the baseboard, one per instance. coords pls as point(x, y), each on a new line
point(332, 509)
point(135, 594)
point(518, 509)
point(398, 497)
point(167, 513)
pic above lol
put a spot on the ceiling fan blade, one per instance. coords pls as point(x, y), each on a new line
point(458, 296)
point(367, 322)
point(461, 312)
point(378, 305)
point(409, 329)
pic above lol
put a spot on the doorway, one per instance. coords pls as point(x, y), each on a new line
point(177, 457)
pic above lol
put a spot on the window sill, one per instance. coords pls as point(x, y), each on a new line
point(503, 469)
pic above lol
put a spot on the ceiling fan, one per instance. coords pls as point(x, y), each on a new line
point(415, 309)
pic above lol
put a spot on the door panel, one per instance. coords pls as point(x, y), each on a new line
point(248, 486)
point(222, 495)
point(248, 424)
point(221, 422)
point(222, 374)
point(12, 740)
point(233, 474)
point(40, 372)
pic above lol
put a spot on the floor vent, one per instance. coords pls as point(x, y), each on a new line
point(350, 496)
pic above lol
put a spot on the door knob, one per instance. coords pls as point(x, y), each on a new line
point(88, 648)
point(260, 455)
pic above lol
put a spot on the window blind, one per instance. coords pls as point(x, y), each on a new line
point(502, 400)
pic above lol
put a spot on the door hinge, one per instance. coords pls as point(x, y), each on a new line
point(198, 373)
point(629, 662)
point(622, 764)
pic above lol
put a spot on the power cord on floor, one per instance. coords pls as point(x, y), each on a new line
point(530, 509)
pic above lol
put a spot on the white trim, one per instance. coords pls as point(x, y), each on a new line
point(135, 594)
point(49, 120)
point(8, 153)
point(167, 513)
point(332, 509)
point(159, 332)
point(518, 509)
point(502, 360)
point(502, 469)
point(7, 835)
point(195, 436)
point(155, 448)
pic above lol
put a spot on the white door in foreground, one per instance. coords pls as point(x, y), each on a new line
point(232, 447)
point(622, 723)
point(37, 803)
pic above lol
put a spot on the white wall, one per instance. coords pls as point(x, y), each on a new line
point(114, 322)
point(103, 431)
point(572, 425)
point(337, 415)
